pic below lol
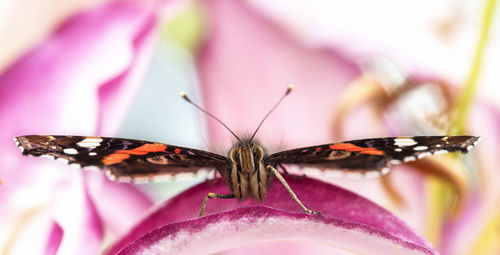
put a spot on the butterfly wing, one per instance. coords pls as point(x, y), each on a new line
point(123, 159)
point(372, 154)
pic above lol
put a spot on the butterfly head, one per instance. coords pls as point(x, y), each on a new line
point(248, 176)
point(247, 155)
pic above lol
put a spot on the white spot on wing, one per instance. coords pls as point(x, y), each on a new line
point(440, 152)
point(70, 151)
point(91, 168)
point(404, 141)
point(409, 158)
point(90, 142)
point(424, 154)
point(398, 150)
point(421, 148)
point(477, 141)
point(92, 153)
point(110, 175)
point(385, 170)
point(395, 161)
point(63, 160)
point(75, 165)
point(47, 156)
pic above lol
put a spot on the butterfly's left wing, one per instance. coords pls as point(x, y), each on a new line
point(372, 154)
point(125, 160)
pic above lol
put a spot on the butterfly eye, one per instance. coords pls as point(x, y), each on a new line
point(258, 152)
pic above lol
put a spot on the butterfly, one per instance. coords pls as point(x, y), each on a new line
point(247, 168)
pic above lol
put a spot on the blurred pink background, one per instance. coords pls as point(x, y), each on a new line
point(115, 68)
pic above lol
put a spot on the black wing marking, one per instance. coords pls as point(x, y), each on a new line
point(124, 159)
point(373, 154)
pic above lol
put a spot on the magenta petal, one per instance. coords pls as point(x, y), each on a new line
point(340, 209)
point(219, 232)
point(55, 237)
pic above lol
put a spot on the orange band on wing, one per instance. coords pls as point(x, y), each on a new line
point(144, 149)
point(345, 147)
point(352, 147)
point(114, 158)
point(121, 155)
point(373, 151)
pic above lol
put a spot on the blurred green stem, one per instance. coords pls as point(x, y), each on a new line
point(467, 94)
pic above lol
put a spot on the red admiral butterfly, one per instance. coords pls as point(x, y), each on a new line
point(247, 168)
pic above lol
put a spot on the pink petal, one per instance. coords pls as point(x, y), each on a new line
point(348, 221)
point(247, 63)
point(120, 205)
point(57, 88)
point(286, 247)
point(55, 237)
point(76, 213)
point(89, 50)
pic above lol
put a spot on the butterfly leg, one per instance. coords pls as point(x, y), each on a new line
point(293, 176)
point(213, 195)
point(287, 187)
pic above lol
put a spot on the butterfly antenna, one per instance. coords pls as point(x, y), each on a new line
point(288, 90)
point(183, 95)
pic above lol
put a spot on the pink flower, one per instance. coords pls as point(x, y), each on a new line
point(244, 65)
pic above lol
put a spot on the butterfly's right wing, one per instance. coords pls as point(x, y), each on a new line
point(373, 155)
point(124, 160)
